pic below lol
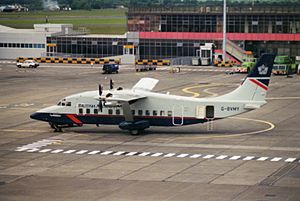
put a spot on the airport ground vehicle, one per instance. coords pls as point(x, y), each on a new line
point(28, 64)
point(142, 68)
point(246, 66)
point(110, 68)
point(283, 65)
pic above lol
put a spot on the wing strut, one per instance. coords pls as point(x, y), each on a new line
point(127, 111)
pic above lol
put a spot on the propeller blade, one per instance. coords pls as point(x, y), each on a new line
point(100, 105)
point(111, 84)
point(100, 89)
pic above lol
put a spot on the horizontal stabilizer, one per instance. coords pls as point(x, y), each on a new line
point(146, 84)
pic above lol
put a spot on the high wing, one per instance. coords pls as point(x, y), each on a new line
point(125, 98)
point(146, 84)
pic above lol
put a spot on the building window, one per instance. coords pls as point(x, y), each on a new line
point(162, 113)
point(133, 112)
point(110, 111)
point(147, 113)
point(88, 111)
point(95, 111)
point(118, 112)
point(80, 111)
point(169, 113)
point(154, 113)
point(140, 112)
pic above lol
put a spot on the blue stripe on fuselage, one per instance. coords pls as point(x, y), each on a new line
point(117, 119)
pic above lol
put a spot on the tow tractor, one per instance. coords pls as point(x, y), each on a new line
point(283, 65)
point(246, 66)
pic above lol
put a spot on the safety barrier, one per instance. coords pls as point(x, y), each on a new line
point(153, 62)
point(223, 63)
point(70, 60)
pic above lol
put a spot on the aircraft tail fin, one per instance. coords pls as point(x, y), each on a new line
point(255, 85)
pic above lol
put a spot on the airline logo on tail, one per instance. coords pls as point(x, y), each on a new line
point(263, 70)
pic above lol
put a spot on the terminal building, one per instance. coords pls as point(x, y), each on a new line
point(178, 32)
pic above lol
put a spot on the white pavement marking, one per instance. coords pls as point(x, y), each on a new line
point(195, 156)
point(289, 160)
point(262, 158)
point(208, 156)
point(106, 152)
point(169, 155)
point(34, 147)
point(45, 150)
point(157, 154)
point(234, 157)
point(144, 154)
point(56, 151)
point(33, 150)
point(119, 153)
point(21, 149)
point(70, 151)
point(182, 155)
point(276, 159)
point(94, 152)
point(221, 157)
point(131, 153)
point(81, 151)
point(248, 158)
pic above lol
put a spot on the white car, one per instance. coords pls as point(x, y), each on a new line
point(28, 64)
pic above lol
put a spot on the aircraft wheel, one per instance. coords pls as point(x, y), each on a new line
point(56, 127)
point(134, 132)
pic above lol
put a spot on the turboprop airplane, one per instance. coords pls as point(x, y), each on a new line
point(138, 108)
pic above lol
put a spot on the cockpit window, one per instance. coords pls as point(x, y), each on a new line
point(64, 103)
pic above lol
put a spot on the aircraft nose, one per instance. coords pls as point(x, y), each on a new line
point(36, 116)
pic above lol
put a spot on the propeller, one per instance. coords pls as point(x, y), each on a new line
point(111, 84)
point(100, 105)
point(100, 89)
point(102, 99)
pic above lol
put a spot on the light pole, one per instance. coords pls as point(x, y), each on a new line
point(224, 31)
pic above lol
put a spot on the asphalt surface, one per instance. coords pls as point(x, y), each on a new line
point(254, 156)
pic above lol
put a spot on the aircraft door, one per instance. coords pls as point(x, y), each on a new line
point(210, 112)
point(177, 115)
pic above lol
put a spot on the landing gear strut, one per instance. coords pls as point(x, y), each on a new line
point(56, 127)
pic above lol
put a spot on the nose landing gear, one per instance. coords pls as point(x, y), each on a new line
point(56, 127)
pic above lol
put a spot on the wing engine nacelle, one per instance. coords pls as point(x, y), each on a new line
point(136, 125)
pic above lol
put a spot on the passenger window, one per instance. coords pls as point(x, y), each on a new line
point(118, 112)
point(154, 113)
point(162, 113)
point(110, 111)
point(169, 113)
point(140, 112)
point(59, 103)
point(147, 113)
point(88, 111)
point(133, 112)
point(80, 111)
point(68, 103)
point(63, 104)
point(95, 111)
